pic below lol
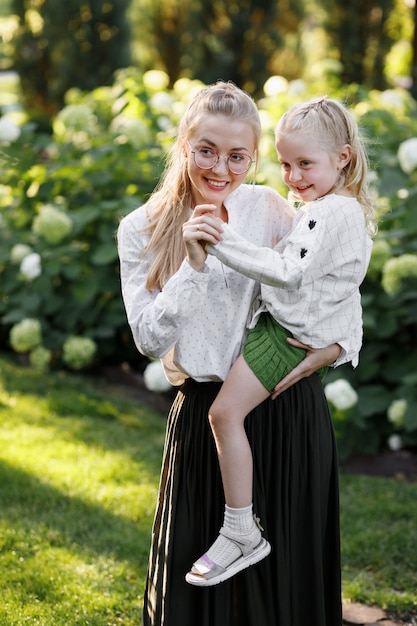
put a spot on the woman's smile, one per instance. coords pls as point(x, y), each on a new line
point(221, 135)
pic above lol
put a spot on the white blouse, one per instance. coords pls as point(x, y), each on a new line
point(197, 323)
point(311, 279)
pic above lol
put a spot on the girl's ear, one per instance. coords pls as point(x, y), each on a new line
point(345, 156)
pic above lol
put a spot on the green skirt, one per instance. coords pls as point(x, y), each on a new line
point(269, 355)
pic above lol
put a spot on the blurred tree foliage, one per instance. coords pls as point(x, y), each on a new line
point(74, 43)
point(250, 40)
point(359, 31)
point(79, 43)
point(233, 40)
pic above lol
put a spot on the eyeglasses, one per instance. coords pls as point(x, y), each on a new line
point(206, 159)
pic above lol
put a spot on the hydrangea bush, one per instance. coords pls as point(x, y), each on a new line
point(385, 415)
point(62, 196)
point(61, 199)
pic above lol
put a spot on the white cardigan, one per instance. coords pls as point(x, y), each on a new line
point(311, 278)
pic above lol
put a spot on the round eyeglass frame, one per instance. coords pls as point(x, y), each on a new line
point(227, 157)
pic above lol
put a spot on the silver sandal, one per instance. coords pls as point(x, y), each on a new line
point(206, 573)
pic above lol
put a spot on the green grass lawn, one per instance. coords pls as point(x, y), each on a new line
point(379, 543)
point(79, 469)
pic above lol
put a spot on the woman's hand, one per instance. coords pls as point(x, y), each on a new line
point(314, 360)
point(202, 227)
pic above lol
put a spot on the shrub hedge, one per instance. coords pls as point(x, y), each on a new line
point(62, 196)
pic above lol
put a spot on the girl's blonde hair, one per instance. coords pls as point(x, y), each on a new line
point(170, 203)
point(334, 126)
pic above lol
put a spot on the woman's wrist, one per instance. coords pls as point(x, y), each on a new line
point(197, 266)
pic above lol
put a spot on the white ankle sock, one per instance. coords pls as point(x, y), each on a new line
point(239, 520)
point(223, 551)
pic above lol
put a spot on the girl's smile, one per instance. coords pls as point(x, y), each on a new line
point(310, 172)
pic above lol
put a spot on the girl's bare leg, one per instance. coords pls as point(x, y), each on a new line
point(240, 393)
point(240, 543)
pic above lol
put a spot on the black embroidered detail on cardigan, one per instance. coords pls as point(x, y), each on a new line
point(303, 252)
point(311, 224)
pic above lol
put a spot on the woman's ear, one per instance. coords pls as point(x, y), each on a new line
point(345, 156)
point(182, 147)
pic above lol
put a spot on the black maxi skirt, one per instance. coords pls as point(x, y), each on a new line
point(295, 495)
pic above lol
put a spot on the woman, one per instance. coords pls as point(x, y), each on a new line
point(192, 312)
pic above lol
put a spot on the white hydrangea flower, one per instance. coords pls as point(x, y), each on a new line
point(76, 117)
point(9, 131)
point(52, 224)
point(18, 253)
point(396, 412)
point(381, 252)
point(155, 80)
point(395, 443)
point(187, 88)
point(154, 377)
point(391, 98)
point(164, 123)
point(297, 87)
point(40, 358)
point(275, 85)
point(407, 155)
point(78, 352)
point(402, 194)
point(131, 130)
point(162, 102)
point(26, 335)
point(341, 394)
point(397, 268)
point(76, 123)
point(31, 266)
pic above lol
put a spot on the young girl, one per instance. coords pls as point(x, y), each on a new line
point(310, 291)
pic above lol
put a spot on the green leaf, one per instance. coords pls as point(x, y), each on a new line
point(373, 399)
point(105, 254)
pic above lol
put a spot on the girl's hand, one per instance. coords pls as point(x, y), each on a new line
point(202, 227)
point(314, 360)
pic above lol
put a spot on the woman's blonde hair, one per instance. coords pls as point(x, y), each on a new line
point(170, 203)
point(334, 126)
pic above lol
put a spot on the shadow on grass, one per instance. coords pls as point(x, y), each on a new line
point(89, 410)
point(67, 559)
point(32, 508)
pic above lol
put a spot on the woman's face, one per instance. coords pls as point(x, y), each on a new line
point(218, 134)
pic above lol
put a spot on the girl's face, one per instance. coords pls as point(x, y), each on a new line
point(218, 135)
point(309, 171)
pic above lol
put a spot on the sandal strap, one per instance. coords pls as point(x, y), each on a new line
point(245, 543)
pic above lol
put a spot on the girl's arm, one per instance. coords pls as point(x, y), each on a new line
point(259, 263)
point(326, 240)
